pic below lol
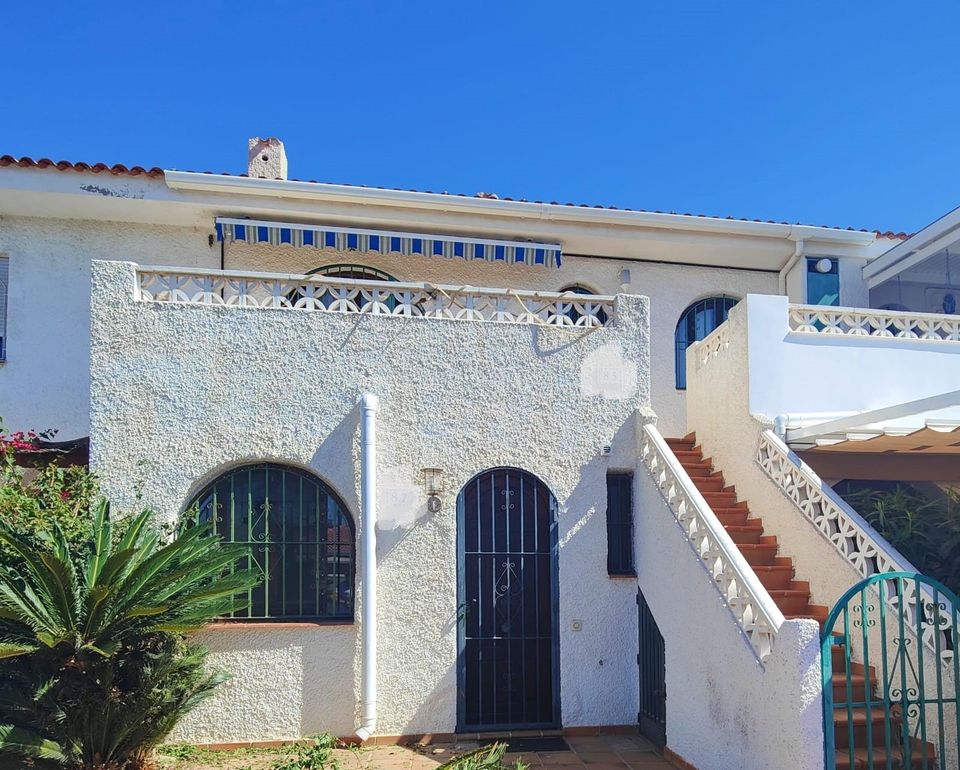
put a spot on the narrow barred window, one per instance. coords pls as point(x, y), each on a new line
point(620, 524)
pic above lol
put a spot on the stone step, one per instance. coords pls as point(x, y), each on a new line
point(743, 534)
point(759, 554)
point(774, 577)
point(791, 602)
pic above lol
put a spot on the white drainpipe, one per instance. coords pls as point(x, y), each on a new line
point(788, 265)
point(369, 404)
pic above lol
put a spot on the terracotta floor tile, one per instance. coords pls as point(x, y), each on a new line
point(599, 758)
point(617, 765)
point(565, 758)
point(636, 755)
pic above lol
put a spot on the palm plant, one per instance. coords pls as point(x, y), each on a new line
point(93, 670)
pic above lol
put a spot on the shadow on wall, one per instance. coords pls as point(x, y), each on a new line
point(608, 649)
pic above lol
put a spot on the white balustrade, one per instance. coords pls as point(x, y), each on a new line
point(848, 532)
point(859, 322)
point(368, 297)
point(745, 596)
point(712, 346)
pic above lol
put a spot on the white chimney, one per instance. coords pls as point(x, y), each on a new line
point(266, 158)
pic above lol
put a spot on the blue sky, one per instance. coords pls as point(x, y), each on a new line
point(840, 113)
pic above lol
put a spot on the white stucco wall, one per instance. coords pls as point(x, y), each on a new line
point(793, 373)
point(192, 390)
point(719, 412)
point(671, 288)
point(45, 381)
point(724, 710)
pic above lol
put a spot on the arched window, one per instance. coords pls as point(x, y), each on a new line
point(573, 314)
point(300, 536)
point(696, 322)
point(355, 272)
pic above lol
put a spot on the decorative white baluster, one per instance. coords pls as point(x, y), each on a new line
point(751, 605)
point(338, 295)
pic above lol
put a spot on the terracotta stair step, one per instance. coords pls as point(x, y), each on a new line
point(714, 483)
point(840, 662)
point(743, 534)
point(815, 612)
point(842, 722)
point(858, 688)
point(774, 577)
point(689, 455)
point(759, 553)
point(722, 499)
point(880, 759)
point(733, 516)
point(791, 602)
point(699, 470)
point(681, 443)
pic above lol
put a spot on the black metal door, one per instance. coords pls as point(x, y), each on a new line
point(507, 543)
point(653, 677)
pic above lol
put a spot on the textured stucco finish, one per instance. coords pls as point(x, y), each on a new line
point(671, 288)
point(36, 394)
point(724, 710)
point(719, 411)
point(189, 391)
point(45, 381)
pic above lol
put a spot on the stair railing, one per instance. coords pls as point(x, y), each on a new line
point(745, 596)
point(847, 531)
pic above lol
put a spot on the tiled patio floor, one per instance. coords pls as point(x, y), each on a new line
point(605, 752)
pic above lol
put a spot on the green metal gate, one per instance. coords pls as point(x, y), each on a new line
point(889, 675)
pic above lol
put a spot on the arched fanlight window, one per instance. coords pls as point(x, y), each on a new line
point(573, 314)
point(696, 322)
point(349, 272)
point(300, 535)
point(355, 272)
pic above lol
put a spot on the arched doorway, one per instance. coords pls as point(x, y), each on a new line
point(508, 664)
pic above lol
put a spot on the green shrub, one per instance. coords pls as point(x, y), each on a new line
point(53, 496)
point(94, 671)
point(484, 758)
point(926, 531)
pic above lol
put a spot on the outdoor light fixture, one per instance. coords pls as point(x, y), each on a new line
point(433, 480)
point(824, 265)
point(625, 278)
point(433, 484)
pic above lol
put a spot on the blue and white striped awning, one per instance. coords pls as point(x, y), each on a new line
point(386, 242)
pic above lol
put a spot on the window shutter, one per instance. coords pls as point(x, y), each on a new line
point(620, 524)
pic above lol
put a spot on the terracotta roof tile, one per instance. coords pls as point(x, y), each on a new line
point(117, 169)
point(121, 170)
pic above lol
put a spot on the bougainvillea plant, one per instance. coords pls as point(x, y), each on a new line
point(23, 440)
point(32, 502)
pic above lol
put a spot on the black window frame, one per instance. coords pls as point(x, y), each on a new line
point(718, 307)
point(833, 273)
point(620, 558)
point(328, 588)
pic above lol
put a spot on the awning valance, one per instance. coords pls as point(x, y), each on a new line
point(387, 242)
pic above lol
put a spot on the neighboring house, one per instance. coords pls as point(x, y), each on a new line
point(489, 380)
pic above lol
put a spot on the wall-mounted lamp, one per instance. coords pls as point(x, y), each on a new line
point(625, 278)
point(824, 265)
point(433, 480)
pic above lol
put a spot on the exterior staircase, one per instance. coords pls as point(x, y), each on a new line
point(776, 572)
